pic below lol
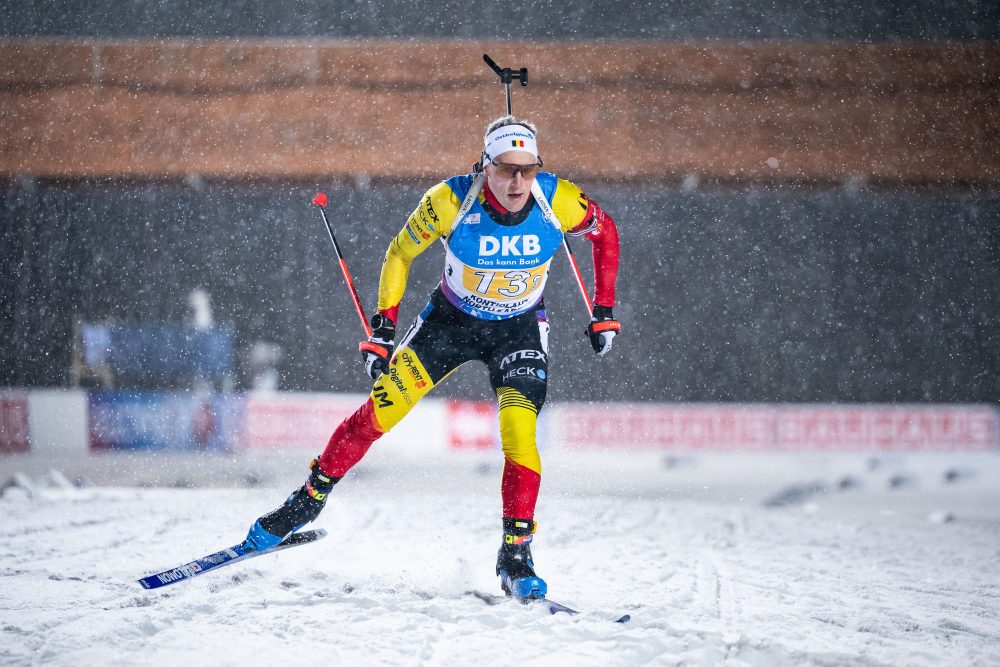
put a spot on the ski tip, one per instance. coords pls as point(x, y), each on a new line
point(320, 199)
point(624, 619)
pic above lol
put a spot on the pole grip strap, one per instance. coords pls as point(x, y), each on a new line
point(606, 325)
point(374, 348)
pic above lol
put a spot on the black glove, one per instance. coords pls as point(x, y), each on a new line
point(602, 329)
point(377, 350)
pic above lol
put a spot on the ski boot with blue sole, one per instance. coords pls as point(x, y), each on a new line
point(514, 563)
point(303, 506)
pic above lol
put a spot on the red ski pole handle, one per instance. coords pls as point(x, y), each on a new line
point(321, 201)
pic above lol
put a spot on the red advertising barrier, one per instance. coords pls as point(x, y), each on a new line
point(931, 428)
point(779, 427)
point(666, 427)
point(14, 438)
point(279, 421)
point(471, 424)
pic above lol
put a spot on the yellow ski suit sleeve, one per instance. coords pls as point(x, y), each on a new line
point(431, 220)
point(570, 205)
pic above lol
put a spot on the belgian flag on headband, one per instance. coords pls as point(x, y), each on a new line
point(517, 143)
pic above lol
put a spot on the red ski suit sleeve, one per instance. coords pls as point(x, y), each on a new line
point(599, 228)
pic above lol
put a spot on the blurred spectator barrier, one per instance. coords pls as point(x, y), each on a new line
point(150, 355)
point(164, 421)
point(55, 423)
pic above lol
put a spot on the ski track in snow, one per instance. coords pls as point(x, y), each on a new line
point(705, 581)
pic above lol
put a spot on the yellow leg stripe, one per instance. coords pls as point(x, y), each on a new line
point(399, 390)
point(518, 418)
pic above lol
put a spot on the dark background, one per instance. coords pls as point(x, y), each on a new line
point(729, 293)
point(852, 20)
point(752, 294)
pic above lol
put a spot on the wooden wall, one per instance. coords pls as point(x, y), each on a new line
point(289, 109)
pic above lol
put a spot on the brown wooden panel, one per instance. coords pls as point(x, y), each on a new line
point(617, 110)
point(39, 63)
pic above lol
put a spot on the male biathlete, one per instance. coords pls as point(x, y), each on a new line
point(500, 227)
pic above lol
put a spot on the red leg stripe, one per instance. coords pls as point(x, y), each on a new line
point(350, 441)
point(519, 490)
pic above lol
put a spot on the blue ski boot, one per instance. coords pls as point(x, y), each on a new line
point(514, 565)
point(303, 506)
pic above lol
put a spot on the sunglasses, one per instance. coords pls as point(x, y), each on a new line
point(528, 171)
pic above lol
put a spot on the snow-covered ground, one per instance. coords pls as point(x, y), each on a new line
point(736, 559)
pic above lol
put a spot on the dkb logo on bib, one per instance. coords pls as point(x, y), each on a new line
point(509, 245)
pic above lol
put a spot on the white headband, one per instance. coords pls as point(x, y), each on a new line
point(509, 138)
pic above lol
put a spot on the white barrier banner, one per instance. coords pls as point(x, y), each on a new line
point(300, 420)
point(471, 424)
point(293, 420)
point(777, 427)
point(896, 428)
